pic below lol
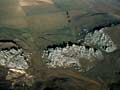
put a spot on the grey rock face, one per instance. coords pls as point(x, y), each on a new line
point(80, 57)
point(72, 56)
point(14, 59)
point(100, 40)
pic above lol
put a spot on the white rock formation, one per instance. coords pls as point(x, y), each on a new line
point(101, 40)
point(17, 61)
point(13, 58)
point(80, 57)
point(72, 56)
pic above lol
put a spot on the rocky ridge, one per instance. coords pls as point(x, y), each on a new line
point(74, 56)
point(14, 59)
point(100, 40)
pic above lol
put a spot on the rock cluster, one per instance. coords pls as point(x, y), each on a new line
point(100, 40)
point(81, 57)
point(14, 59)
point(72, 56)
point(17, 61)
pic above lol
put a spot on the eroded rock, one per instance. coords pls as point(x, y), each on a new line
point(72, 56)
point(14, 58)
point(17, 61)
point(100, 40)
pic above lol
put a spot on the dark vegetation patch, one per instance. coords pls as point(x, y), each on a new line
point(114, 86)
point(55, 83)
point(4, 84)
point(69, 43)
point(8, 44)
point(105, 24)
